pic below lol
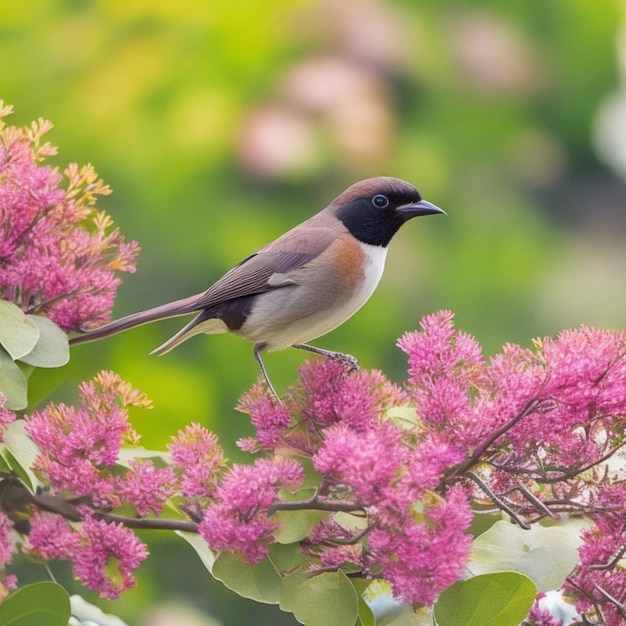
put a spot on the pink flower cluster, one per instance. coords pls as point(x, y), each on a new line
point(6, 416)
point(199, 460)
point(560, 406)
point(104, 554)
point(79, 445)
point(58, 255)
point(600, 575)
point(392, 473)
point(79, 459)
point(238, 519)
point(526, 419)
point(540, 422)
point(373, 465)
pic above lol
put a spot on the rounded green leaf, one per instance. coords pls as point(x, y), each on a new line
point(403, 416)
point(18, 334)
point(328, 599)
point(12, 383)
point(260, 582)
point(296, 525)
point(290, 586)
point(366, 617)
point(207, 556)
point(23, 451)
point(40, 603)
point(286, 557)
point(52, 349)
point(502, 599)
point(547, 555)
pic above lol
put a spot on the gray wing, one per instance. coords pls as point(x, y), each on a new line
point(271, 267)
point(279, 261)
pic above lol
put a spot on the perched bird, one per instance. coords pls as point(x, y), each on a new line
point(302, 285)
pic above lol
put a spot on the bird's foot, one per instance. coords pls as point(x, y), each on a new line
point(257, 355)
point(346, 359)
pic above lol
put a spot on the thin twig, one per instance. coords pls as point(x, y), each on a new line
point(609, 564)
point(531, 497)
point(149, 523)
point(314, 504)
point(618, 605)
point(460, 469)
point(497, 501)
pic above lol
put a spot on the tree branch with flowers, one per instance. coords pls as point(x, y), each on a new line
point(468, 494)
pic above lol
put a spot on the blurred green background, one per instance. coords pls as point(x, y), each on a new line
point(221, 124)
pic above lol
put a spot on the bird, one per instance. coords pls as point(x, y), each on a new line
point(300, 286)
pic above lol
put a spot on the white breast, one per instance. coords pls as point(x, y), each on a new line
point(287, 325)
point(373, 269)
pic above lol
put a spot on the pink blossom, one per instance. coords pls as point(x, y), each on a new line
point(104, 554)
point(146, 486)
point(317, 388)
point(195, 451)
point(107, 556)
point(335, 557)
point(586, 365)
point(447, 376)
point(238, 521)
point(540, 615)
point(440, 350)
point(7, 547)
point(59, 256)
point(6, 416)
point(598, 568)
point(364, 462)
point(327, 393)
point(329, 531)
point(428, 463)
point(268, 416)
point(410, 551)
point(78, 444)
point(52, 537)
point(363, 397)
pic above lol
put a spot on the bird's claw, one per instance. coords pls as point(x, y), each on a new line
point(346, 359)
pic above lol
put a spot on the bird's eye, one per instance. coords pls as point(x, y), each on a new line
point(380, 201)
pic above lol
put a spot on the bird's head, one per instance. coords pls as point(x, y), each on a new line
point(374, 209)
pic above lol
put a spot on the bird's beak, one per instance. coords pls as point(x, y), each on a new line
point(415, 209)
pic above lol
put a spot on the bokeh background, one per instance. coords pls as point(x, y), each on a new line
point(221, 124)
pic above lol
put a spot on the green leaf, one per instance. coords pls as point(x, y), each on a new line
point(12, 383)
point(18, 334)
point(207, 556)
point(286, 557)
point(312, 477)
point(502, 599)
point(546, 555)
point(23, 451)
point(328, 599)
point(350, 522)
point(403, 416)
point(52, 349)
point(366, 617)
point(40, 603)
point(128, 453)
point(260, 582)
point(296, 525)
point(290, 586)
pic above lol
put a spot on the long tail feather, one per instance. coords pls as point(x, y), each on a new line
point(173, 309)
point(204, 322)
